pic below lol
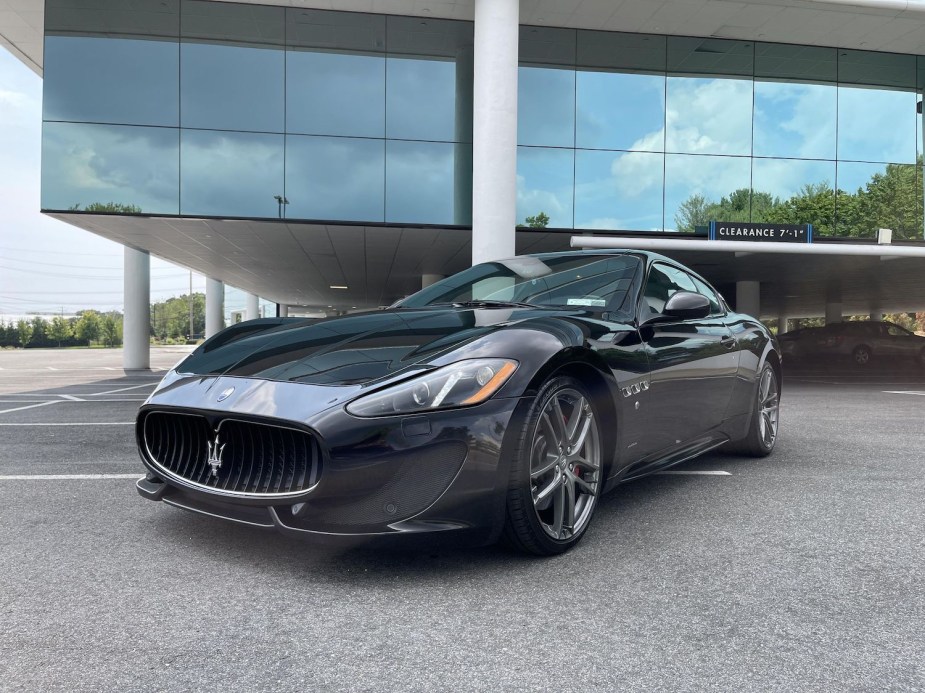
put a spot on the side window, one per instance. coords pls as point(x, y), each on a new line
point(662, 283)
point(716, 307)
point(896, 331)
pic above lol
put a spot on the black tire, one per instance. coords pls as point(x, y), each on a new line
point(532, 518)
point(862, 356)
point(763, 429)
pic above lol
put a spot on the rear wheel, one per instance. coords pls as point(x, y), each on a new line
point(556, 475)
point(765, 423)
point(861, 355)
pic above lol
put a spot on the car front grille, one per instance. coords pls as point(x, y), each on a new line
point(233, 456)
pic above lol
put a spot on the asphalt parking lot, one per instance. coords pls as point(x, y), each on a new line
point(803, 571)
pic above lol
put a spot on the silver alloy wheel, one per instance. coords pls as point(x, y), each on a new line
point(769, 404)
point(861, 355)
point(565, 464)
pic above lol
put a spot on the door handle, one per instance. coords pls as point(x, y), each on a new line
point(728, 341)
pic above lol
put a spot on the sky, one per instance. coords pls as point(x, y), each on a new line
point(45, 264)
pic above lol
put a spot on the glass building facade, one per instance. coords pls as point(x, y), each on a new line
point(182, 107)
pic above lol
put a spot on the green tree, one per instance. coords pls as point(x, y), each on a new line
point(170, 318)
point(692, 213)
point(107, 208)
point(538, 221)
point(39, 332)
point(24, 328)
point(111, 329)
point(60, 330)
point(88, 328)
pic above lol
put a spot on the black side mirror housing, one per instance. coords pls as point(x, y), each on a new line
point(686, 305)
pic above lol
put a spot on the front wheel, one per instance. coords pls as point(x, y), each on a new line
point(556, 471)
point(861, 355)
point(765, 422)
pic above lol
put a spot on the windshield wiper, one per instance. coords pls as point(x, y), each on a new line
point(487, 303)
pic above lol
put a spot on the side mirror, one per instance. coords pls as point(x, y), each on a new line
point(687, 305)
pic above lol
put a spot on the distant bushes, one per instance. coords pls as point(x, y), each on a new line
point(88, 328)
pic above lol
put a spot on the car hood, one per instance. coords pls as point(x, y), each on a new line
point(350, 350)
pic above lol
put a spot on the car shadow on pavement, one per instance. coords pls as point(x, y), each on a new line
point(630, 505)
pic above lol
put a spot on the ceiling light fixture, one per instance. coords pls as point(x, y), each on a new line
point(335, 286)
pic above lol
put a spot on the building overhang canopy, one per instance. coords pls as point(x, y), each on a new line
point(798, 280)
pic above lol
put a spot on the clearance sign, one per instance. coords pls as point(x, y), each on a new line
point(774, 233)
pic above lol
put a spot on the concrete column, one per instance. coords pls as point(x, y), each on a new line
point(783, 323)
point(462, 160)
point(136, 321)
point(215, 306)
point(748, 298)
point(833, 312)
point(251, 307)
point(494, 129)
point(428, 279)
point(876, 315)
point(282, 310)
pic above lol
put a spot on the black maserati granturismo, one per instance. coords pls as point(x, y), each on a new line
point(499, 402)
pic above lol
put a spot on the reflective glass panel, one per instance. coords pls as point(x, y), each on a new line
point(875, 196)
point(251, 174)
point(541, 45)
point(114, 17)
point(335, 178)
point(232, 87)
point(876, 69)
point(795, 120)
point(700, 189)
point(325, 51)
point(618, 110)
point(709, 56)
point(791, 191)
point(317, 103)
point(616, 50)
point(421, 99)
point(421, 185)
point(618, 190)
point(918, 116)
point(429, 70)
point(110, 168)
point(546, 106)
point(545, 185)
point(876, 125)
point(709, 116)
point(111, 80)
point(232, 67)
point(796, 63)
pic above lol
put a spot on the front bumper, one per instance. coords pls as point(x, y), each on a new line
point(434, 478)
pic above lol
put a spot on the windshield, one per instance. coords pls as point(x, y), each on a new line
point(590, 282)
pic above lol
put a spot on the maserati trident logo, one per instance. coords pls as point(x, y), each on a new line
point(215, 455)
point(225, 394)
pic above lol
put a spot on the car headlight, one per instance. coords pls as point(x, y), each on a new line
point(457, 385)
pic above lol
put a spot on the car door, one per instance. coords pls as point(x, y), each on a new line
point(898, 342)
point(693, 363)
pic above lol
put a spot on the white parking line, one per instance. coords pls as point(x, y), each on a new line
point(65, 477)
point(904, 392)
point(123, 389)
point(685, 472)
point(29, 406)
point(72, 398)
point(80, 423)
